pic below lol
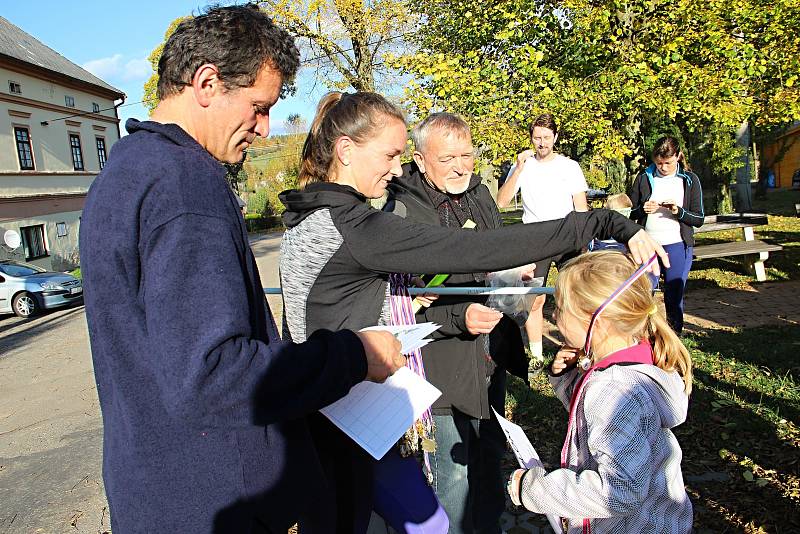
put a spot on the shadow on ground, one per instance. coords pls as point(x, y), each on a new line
point(29, 328)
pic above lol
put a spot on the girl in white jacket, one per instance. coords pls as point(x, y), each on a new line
point(624, 390)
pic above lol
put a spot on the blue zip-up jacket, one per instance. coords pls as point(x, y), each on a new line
point(203, 406)
point(691, 215)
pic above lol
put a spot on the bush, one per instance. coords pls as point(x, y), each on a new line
point(258, 203)
point(255, 222)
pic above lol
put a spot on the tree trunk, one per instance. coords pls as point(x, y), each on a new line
point(724, 201)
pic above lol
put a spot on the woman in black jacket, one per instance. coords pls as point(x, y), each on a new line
point(338, 252)
point(668, 201)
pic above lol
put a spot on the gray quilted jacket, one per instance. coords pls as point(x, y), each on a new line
point(624, 462)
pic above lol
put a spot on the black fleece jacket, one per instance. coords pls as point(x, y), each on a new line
point(455, 361)
point(345, 287)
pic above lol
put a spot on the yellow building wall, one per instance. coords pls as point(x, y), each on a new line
point(790, 162)
point(62, 251)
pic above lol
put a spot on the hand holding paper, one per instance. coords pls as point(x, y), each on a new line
point(411, 337)
point(525, 453)
point(376, 415)
point(382, 350)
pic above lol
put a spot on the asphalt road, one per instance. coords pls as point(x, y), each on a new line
point(50, 424)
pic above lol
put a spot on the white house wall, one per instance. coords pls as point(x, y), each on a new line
point(54, 191)
point(40, 108)
point(62, 252)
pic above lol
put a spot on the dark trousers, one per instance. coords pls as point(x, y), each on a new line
point(348, 484)
point(680, 259)
point(404, 499)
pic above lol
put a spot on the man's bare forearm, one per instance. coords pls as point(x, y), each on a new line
point(509, 189)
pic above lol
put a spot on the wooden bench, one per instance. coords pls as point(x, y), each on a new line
point(750, 246)
point(745, 221)
point(740, 248)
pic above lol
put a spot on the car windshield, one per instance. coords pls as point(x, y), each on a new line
point(14, 268)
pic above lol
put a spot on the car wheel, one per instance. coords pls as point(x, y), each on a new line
point(25, 305)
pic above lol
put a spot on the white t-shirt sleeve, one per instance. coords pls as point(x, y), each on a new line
point(578, 181)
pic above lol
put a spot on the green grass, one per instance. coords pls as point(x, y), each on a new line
point(742, 428)
point(742, 435)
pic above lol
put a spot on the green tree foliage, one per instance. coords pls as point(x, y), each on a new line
point(258, 203)
point(616, 73)
point(295, 124)
point(345, 39)
point(151, 85)
point(272, 165)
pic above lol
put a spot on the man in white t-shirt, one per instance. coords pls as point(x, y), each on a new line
point(552, 185)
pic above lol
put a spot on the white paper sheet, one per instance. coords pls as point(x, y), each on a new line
point(525, 453)
point(411, 336)
point(376, 415)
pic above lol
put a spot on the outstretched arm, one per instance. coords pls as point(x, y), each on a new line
point(384, 243)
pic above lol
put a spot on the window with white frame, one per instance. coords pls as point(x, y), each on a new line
point(95, 107)
point(77, 154)
point(33, 241)
point(61, 229)
point(22, 136)
point(14, 87)
point(69, 101)
point(101, 151)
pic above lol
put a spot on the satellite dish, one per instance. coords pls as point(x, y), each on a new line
point(11, 239)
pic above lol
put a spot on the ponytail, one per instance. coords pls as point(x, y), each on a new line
point(354, 115)
point(315, 160)
point(683, 162)
point(669, 353)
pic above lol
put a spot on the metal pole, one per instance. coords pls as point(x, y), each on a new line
point(473, 291)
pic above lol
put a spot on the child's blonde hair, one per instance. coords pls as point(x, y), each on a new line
point(618, 202)
point(588, 280)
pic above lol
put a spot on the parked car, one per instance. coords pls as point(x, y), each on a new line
point(26, 289)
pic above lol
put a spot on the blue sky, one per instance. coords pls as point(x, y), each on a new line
point(113, 39)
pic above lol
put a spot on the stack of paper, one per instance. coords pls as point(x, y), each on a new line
point(411, 337)
point(376, 415)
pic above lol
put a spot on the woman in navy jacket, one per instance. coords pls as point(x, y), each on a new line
point(668, 201)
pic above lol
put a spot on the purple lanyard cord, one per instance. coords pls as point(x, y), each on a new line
point(402, 313)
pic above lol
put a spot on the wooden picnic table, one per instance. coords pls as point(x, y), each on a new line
point(745, 221)
point(754, 250)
